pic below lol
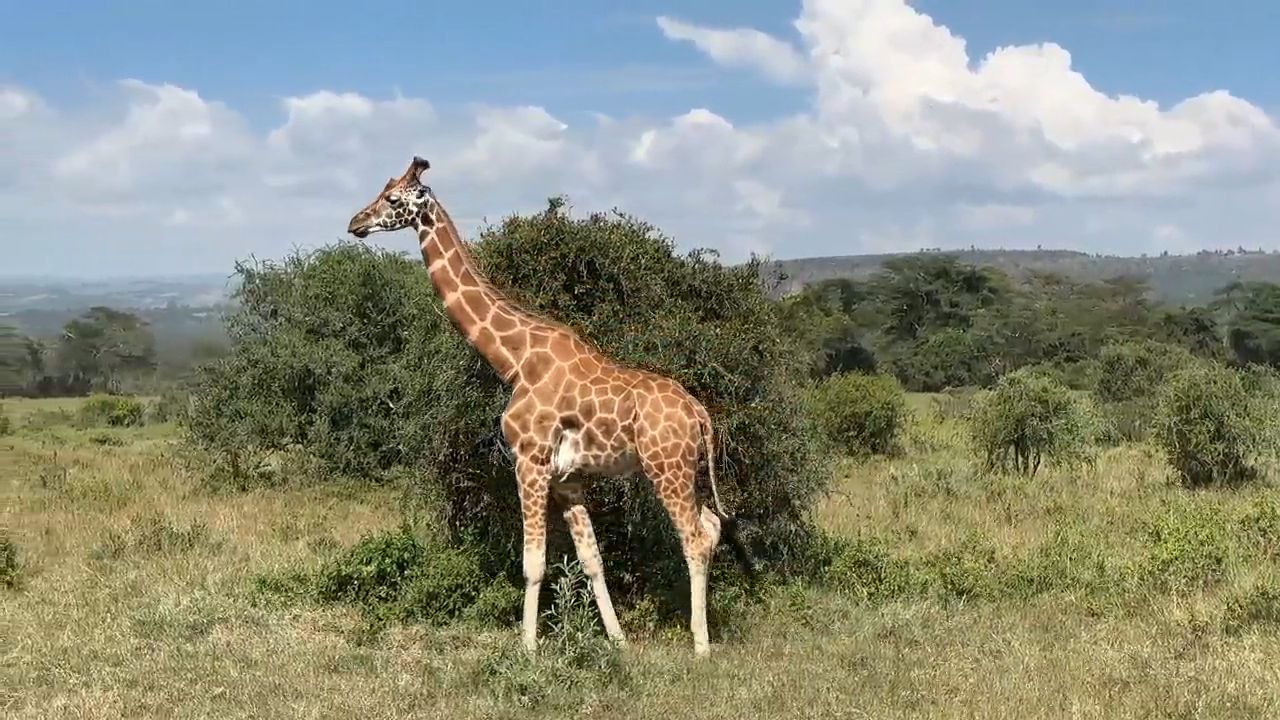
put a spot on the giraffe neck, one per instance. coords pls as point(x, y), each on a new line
point(490, 322)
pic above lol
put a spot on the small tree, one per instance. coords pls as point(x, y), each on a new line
point(1209, 426)
point(1029, 419)
point(1129, 375)
point(860, 414)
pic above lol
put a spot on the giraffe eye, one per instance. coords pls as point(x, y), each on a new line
point(394, 199)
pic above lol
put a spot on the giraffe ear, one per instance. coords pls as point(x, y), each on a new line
point(390, 182)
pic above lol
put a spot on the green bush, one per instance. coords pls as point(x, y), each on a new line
point(111, 410)
point(1257, 606)
point(1209, 427)
point(1188, 546)
point(169, 407)
point(6, 425)
point(10, 563)
point(1136, 369)
point(346, 354)
point(1129, 376)
point(1029, 419)
point(374, 571)
point(865, 569)
point(860, 414)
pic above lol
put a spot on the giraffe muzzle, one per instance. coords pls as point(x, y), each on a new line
point(358, 228)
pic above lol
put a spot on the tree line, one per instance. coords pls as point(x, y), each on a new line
point(935, 322)
point(102, 350)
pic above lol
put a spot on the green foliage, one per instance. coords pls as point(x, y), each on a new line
point(346, 354)
point(574, 658)
point(1257, 606)
point(1188, 546)
point(394, 575)
point(1029, 419)
point(1208, 426)
point(860, 414)
point(947, 358)
point(10, 563)
point(865, 569)
point(969, 569)
point(104, 350)
point(1261, 527)
point(372, 572)
point(1253, 325)
point(1135, 370)
point(171, 406)
point(112, 411)
point(1071, 559)
point(6, 423)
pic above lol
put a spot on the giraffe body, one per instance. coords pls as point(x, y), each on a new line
point(574, 413)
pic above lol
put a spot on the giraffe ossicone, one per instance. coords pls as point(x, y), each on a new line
point(574, 412)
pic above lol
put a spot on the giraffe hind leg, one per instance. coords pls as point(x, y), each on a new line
point(699, 531)
point(572, 502)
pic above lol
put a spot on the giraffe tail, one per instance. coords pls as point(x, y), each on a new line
point(728, 523)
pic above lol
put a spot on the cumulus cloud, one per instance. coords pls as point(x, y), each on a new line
point(902, 139)
point(741, 47)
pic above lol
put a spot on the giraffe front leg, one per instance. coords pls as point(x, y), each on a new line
point(534, 480)
point(571, 499)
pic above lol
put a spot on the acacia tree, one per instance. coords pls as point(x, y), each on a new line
point(104, 347)
point(1253, 321)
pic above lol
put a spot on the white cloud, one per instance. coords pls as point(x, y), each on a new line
point(741, 47)
point(995, 215)
point(902, 141)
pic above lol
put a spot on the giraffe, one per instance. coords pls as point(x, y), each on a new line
point(574, 413)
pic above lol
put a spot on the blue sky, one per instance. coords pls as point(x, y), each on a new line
point(513, 97)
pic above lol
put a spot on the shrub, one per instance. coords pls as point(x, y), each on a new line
point(1129, 375)
point(1188, 546)
point(372, 572)
point(1135, 369)
point(1030, 418)
point(111, 410)
point(1257, 606)
point(394, 575)
point(6, 425)
point(10, 563)
point(1208, 427)
point(865, 569)
point(170, 406)
point(574, 661)
point(346, 353)
point(860, 414)
point(1260, 525)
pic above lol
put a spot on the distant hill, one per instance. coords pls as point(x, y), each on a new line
point(23, 294)
point(191, 305)
point(1176, 279)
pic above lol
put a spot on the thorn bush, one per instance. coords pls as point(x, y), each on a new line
point(860, 414)
point(1029, 419)
point(1210, 427)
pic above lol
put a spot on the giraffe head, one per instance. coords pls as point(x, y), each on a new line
point(403, 202)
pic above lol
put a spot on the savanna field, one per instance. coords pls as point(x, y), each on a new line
point(134, 590)
point(968, 497)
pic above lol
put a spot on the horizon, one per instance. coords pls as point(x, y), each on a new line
point(210, 276)
point(802, 130)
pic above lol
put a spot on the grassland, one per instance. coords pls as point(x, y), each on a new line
point(1108, 592)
